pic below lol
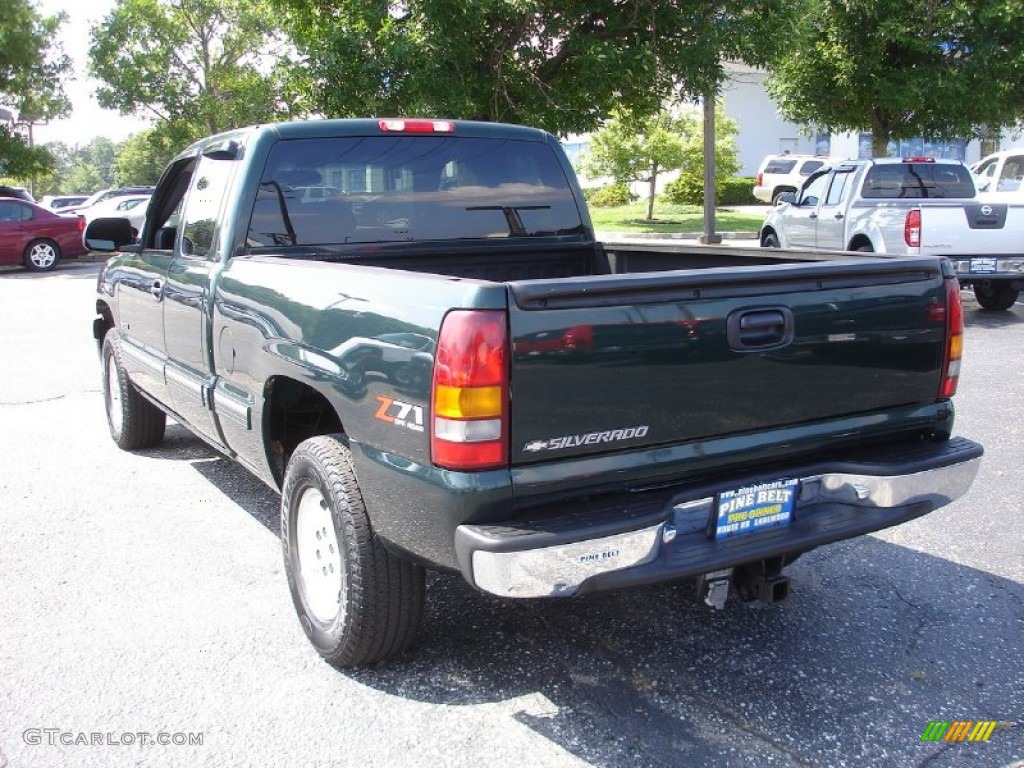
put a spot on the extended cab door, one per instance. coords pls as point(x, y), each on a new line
point(802, 216)
point(140, 281)
point(188, 295)
point(831, 230)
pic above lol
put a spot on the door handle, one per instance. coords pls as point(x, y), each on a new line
point(759, 329)
point(839, 217)
point(157, 289)
point(813, 216)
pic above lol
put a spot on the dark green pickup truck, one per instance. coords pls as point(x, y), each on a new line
point(408, 328)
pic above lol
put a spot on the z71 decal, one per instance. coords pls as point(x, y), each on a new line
point(400, 414)
point(588, 438)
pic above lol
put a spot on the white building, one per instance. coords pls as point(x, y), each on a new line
point(763, 131)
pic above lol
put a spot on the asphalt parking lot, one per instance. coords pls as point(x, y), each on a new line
point(142, 601)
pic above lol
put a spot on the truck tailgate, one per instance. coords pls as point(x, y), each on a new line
point(992, 229)
point(619, 362)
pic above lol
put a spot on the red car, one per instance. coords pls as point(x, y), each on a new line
point(36, 237)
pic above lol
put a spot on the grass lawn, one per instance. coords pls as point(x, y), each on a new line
point(672, 218)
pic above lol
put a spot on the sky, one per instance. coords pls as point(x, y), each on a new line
point(87, 119)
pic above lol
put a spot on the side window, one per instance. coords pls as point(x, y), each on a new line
point(813, 190)
point(984, 175)
point(27, 214)
point(205, 198)
point(810, 166)
point(10, 212)
point(837, 189)
point(1012, 175)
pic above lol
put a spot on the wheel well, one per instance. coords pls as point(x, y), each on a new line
point(858, 241)
point(768, 231)
point(293, 412)
point(103, 323)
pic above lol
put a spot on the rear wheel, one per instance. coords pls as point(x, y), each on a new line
point(995, 295)
point(357, 602)
point(41, 255)
point(134, 422)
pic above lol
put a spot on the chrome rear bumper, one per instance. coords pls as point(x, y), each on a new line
point(537, 559)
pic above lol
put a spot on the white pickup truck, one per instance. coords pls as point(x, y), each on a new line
point(907, 206)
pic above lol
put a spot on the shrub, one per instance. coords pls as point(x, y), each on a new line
point(610, 196)
point(688, 189)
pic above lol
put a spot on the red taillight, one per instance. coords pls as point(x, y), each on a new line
point(954, 340)
point(912, 228)
point(469, 396)
point(760, 179)
point(396, 125)
point(81, 223)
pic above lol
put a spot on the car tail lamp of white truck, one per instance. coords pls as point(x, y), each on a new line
point(954, 340)
point(469, 425)
point(912, 228)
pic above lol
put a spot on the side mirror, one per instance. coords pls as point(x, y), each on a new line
point(108, 235)
point(787, 197)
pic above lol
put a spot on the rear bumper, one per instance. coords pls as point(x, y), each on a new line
point(636, 542)
point(997, 268)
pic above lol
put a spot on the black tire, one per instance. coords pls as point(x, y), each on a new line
point(770, 240)
point(41, 255)
point(864, 249)
point(134, 422)
point(995, 296)
point(380, 596)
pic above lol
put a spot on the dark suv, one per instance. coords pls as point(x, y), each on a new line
point(19, 192)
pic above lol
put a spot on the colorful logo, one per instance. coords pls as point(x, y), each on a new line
point(959, 730)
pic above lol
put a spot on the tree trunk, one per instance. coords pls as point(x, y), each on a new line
point(651, 191)
point(879, 136)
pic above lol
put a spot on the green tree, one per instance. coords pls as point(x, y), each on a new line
point(631, 149)
point(689, 187)
point(32, 69)
point(203, 66)
point(83, 178)
point(144, 156)
point(563, 65)
point(902, 68)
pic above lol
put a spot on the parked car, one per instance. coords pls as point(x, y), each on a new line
point(37, 237)
point(914, 206)
point(999, 176)
point(17, 192)
point(106, 194)
point(131, 207)
point(62, 202)
point(779, 174)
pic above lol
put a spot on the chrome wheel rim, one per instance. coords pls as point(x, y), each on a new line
point(321, 570)
point(42, 255)
point(114, 412)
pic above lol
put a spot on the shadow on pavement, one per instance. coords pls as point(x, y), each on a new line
point(877, 641)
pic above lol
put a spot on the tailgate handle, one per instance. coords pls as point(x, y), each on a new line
point(760, 329)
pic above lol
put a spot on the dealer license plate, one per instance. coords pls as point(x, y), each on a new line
point(983, 266)
point(755, 508)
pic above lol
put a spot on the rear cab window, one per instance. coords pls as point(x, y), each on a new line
point(389, 189)
point(918, 181)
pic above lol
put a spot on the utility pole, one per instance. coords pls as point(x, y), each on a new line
point(709, 237)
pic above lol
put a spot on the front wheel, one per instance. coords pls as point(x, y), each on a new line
point(41, 255)
point(357, 603)
point(770, 240)
point(134, 422)
point(995, 295)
